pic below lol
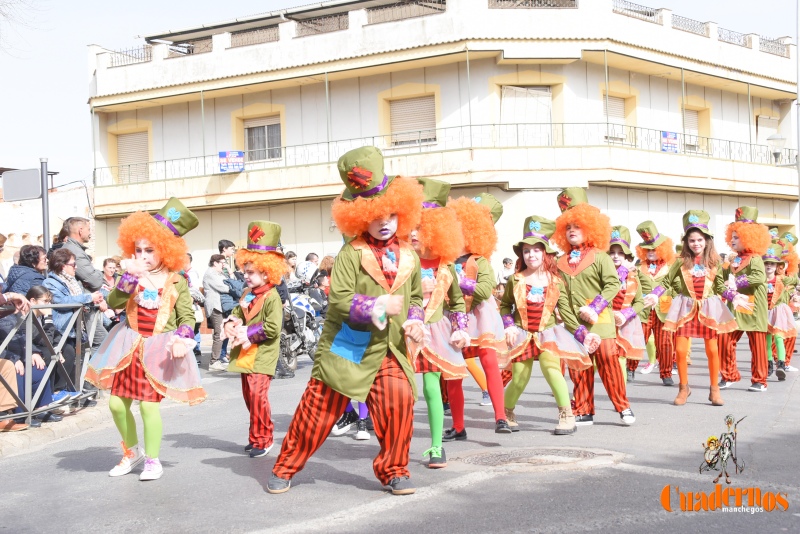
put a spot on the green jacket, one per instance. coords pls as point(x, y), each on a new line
point(262, 357)
point(594, 276)
point(675, 283)
point(514, 302)
point(751, 280)
point(649, 283)
point(633, 293)
point(175, 288)
point(440, 301)
point(784, 286)
point(482, 280)
point(350, 277)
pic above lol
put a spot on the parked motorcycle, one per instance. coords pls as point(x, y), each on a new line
point(301, 328)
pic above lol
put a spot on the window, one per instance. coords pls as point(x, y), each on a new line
point(765, 127)
point(413, 120)
point(529, 109)
point(262, 138)
point(132, 157)
point(691, 126)
point(614, 111)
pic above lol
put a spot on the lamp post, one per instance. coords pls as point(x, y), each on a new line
point(775, 143)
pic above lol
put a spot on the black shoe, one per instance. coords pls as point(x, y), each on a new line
point(401, 486)
point(446, 407)
point(452, 435)
point(35, 423)
point(248, 447)
point(771, 368)
point(437, 462)
point(584, 420)
point(667, 381)
point(630, 376)
point(281, 375)
point(88, 403)
point(48, 417)
point(501, 427)
point(361, 430)
point(370, 426)
point(627, 416)
point(255, 452)
point(344, 423)
point(755, 386)
point(278, 485)
point(724, 384)
point(780, 372)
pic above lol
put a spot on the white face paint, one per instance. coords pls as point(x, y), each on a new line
point(146, 252)
point(383, 228)
point(617, 256)
point(253, 277)
point(652, 256)
point(574, 235)
point(770, 268)
point(736, 245)
point(533, 256)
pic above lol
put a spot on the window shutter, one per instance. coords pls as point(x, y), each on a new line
point(132, 157)
point(616, 109)
point(413, 120)
point(262, 121)
point(526, 105)
point(765, 127)
point(691, 122)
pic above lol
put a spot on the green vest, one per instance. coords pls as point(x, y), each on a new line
point(266, 353)
point(755, 320)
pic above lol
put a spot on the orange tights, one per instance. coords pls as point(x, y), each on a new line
point(712, 352)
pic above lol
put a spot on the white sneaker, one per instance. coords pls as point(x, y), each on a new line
point(217, 366)
point(627, 416)
point(130, 459)
point(790, 369)
point(362, 433)
point(152, 470)
point(485, 399)
point(648, 368)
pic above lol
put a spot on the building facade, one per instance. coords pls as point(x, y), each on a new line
point(656, 113)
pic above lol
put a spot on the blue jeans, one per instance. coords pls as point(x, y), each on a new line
point(36, 375)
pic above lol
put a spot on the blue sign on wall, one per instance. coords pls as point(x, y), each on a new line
point(669, 142)
point(231, 161)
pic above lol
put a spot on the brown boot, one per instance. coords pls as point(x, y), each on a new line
point(511, 419)
point(715, 397)
point(683, 394)
point(566, 422)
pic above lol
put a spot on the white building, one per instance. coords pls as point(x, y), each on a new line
point(655, 112)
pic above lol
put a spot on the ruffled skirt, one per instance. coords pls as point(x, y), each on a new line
point(630, 339)
point(780, 321)
point(556, 340)
point(485, 328)
point(436, 354)
point(711, 313)
point(177, 379)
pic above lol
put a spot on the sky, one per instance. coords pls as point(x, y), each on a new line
point(44, 75)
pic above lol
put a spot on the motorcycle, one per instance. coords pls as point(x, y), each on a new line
point(301, 328)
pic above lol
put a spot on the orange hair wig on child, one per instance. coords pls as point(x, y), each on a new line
point(792, 261)
point(440, 233)
point(141, 225)
point(595, 225)
point(664, 252)
point(477, 226)
point(270, 263)
point(753, 237)
point(404, 197)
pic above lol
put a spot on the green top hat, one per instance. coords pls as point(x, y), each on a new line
point(621, 236)
point(494, 205)
point(773, 254)
point(263, 237)
point(774, 234)
point(791, 238)
point(361, 171)
point(746, 214)
point(435, 192)
point(536, 230)
point(697, 219)
point(649, 234)
point(571, 197)
point(679, 248)
point(176, 217)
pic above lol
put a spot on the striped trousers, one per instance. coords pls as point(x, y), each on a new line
point(789, 344)
point(665, 345)
point(391, 407)
point(758, 360)
point(605, 357)
point(255, 390)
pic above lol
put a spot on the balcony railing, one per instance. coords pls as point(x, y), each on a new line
point(773, 46)
point(267, 34)
point(329, 23)
point(533, 4)
point(405, 10)
point(140, 54)
point(637, 11)
point(689, 25)
point(187, 48)
point(461, 138)
point(732, 37)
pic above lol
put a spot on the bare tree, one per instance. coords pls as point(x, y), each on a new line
point(13, 14)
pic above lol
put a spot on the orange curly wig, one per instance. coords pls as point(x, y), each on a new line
point(792, 261)
point(142, 225)
point(477, 226)
point(272, 264)
point(754, 237)
point(596, 227)
point(664, 252)
point(440, 233)
point(404, 197)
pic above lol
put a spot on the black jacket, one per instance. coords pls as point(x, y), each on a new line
point(16, 348)
point(21, 278)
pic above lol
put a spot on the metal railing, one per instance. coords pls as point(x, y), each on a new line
point(773, 46)
point(187, 48)
point(267, 34)
point(732, 37)
point(532, 4)
point(27, 406)
point(689, 25)
point(326, 24)
point(460, 138)
point(130, 56)
point(405, 10)
point(637, 11)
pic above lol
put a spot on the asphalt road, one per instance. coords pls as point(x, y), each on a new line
point(605, 478)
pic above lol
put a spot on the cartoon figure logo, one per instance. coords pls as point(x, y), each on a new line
point(719, 451)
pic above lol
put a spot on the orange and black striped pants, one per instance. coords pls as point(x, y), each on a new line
point(665, 345)
point(391, 407)
point(758, 360)
point(255, 390)
point(605, 357)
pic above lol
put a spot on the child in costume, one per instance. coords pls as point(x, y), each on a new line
point(692, 290)
point(628, 303)
point(657, 255)
point(143, 357)
point(375, 302)
point(476, 279)
point(438, 242)
point(592, 282)
point(787, 242)
point(780, 320)
point(747, 298)
point(528, 307)
point(254, 327)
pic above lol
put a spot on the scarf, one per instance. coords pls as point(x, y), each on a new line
point(75, 287)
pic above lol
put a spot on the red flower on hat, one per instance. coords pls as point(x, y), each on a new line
point(359, 178)
point(646, 236)
point(256, 233)
point(563, 202)
point(738, 213)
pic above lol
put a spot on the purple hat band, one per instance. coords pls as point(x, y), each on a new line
point(538, 236)
point(695, 225)
point(163, 220)
point(771, 257)
point(656, 238)
point(253, 246)
point(746, 220)
point(430, 205)
point(620, 240)
point(377, 189)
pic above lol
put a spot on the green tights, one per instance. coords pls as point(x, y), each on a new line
point(651, 349)
point(151, 418)
point(779, 344)
point(521, 375)
point(433, 397)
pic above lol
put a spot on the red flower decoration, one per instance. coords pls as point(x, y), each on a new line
point(359, 178)
point(738, 213)
point(646, 236)
point(256, 233)
point(563, 202)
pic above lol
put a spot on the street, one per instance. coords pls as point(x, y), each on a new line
point(604, 478)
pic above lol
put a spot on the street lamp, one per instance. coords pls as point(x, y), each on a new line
point(776, 142)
